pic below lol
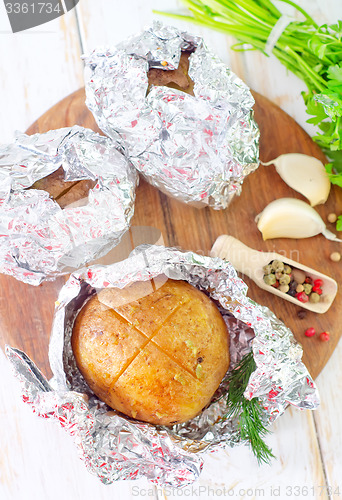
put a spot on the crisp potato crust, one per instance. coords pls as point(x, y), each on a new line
point(156, 351)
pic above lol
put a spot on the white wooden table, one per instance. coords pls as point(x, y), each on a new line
point(37, 459)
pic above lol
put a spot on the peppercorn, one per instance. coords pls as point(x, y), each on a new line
point(299, 288)
point(293, 285)
point(332, 218)
point(317, 289)
point(318, 283)
point(314, 297)
point(298, 275)
point(307, 288)
point(324, 336)
point(268, 269)
point(284, 288)
point(301, 313)
point(287, 269)
point(302, 297)
point(310, 332)
point(308, 280)
point(270, 279)
point(285, 279)
point(335, 256)
point(278, 266)
point(279, 275)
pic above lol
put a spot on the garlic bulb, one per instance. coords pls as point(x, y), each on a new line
point(291, 218)
point(304, 174)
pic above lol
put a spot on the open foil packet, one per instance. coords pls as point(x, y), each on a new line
point(38, 239)
point(116, 447)
point(196, 148)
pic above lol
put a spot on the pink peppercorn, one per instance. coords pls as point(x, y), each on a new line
point(318, 283)
point(310, 332)
point(324, 336)
point(302, 297)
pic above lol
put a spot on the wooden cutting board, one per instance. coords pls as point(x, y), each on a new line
point(26, 312)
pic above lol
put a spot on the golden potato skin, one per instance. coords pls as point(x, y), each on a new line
point(156, 351)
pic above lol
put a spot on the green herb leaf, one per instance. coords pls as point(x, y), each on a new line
point(316, 109)
point(336, 159)
point(337, 29)
point(334, 178)
point(248, 412)
point(334, 73)
point(339, 223)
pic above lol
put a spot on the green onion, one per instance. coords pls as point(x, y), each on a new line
point(312, 52)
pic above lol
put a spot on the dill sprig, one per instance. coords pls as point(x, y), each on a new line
point(248, 413)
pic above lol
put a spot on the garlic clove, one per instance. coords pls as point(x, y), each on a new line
point(291, 218)
point(304, 174)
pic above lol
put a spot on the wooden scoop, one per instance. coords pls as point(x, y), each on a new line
point(251, 262)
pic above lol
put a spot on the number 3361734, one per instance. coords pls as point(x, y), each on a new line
point(33, 8)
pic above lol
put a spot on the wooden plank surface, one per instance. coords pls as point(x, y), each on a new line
point(308, 445)
point(236, 472)
point(38, 68)
point(196, 230)
point(39, 461)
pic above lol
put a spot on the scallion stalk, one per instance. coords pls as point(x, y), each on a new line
point(312, 52)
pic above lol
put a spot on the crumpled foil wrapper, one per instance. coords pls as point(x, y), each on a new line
point(116, 447)
point(38, 239)
point(198, 148)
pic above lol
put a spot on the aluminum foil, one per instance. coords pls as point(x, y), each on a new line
point(40, 240)
point(114, 447)
point(198, 148)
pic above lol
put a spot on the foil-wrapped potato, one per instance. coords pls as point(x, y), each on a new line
point(185, 118)
point(155, 351)
point(68, 199)
point(63, 192)
point(175, 79)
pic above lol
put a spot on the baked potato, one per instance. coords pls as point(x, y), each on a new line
point(155, 351)
point(64, 193)
point(176, 79)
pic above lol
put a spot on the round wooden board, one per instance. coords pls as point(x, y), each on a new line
point(26, 311)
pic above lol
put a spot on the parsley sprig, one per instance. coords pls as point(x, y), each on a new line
point(312, 52)
point(248, 413)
